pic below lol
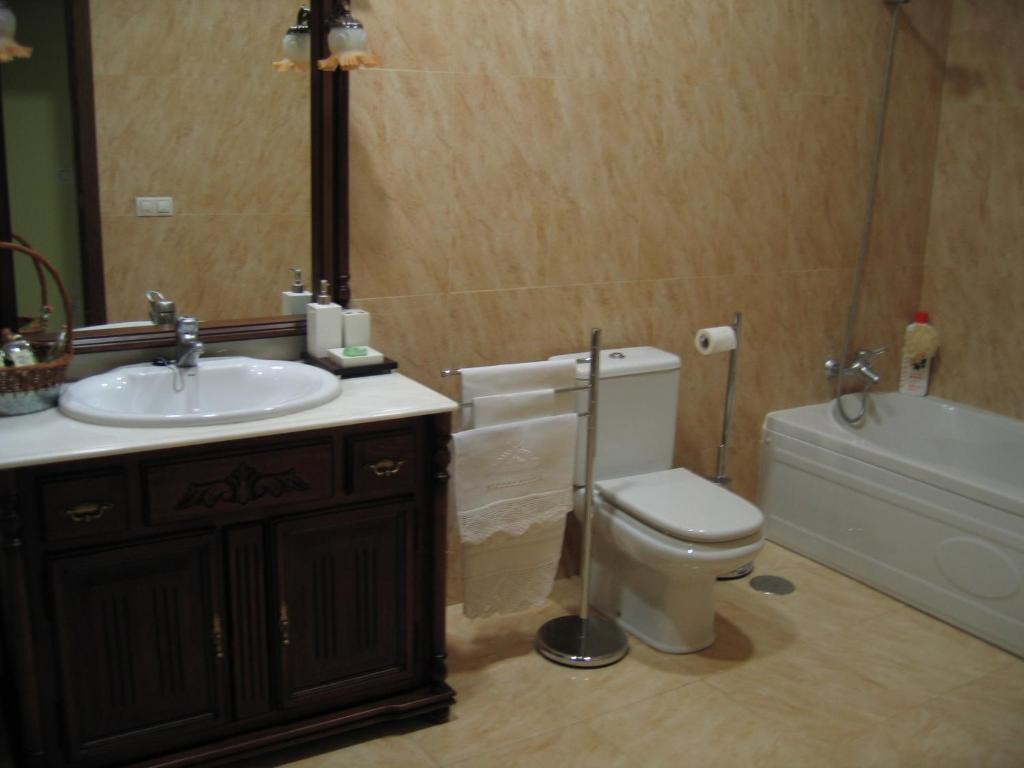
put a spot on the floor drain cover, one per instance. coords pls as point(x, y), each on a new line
point(772, 585)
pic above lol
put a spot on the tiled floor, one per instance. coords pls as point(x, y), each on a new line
point(835, 674)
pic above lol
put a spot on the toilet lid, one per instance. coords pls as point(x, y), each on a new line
point(683, 505)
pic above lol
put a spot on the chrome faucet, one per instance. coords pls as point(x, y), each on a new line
point(161, 309)
point(861, 365)
point(189, 347)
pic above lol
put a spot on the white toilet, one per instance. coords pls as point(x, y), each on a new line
point(661, 535)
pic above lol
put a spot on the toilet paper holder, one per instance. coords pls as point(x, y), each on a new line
point(721, 476)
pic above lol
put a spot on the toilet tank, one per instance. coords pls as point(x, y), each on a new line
point(636, 411)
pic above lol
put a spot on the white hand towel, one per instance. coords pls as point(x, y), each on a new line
point(490, 410)
point(512, 490)
point(519, 377)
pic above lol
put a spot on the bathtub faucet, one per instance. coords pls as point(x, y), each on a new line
point(861, 365)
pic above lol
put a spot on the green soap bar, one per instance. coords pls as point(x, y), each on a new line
point(355, 352)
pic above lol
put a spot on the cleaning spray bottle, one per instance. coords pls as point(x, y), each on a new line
point(920, 343)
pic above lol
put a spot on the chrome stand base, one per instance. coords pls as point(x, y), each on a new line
point(739, 573)
point(576, 642)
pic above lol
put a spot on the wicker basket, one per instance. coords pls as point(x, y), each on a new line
point(31, 388)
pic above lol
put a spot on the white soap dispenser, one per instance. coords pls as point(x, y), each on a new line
point(296, 298)
point(323, 324)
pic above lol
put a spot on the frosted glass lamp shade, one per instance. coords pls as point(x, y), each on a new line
point(295, 47)
point(342, 40)
point(8, 24)
point(10, 49)
point(348, 46)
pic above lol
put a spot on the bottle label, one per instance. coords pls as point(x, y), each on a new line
point(20, 354)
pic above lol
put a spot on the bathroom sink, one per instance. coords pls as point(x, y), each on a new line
point(218, 391)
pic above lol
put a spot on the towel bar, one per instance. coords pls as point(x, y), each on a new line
point(585, 640)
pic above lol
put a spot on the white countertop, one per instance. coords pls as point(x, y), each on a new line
point(49, 436)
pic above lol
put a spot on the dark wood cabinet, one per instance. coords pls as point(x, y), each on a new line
point(345, 604)
point(200, 605)
point(140, 636)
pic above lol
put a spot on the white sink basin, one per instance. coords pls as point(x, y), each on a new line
point(219, 391)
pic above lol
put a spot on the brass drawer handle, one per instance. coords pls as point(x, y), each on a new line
point(218, 637)
point(283, 625)
point(386, 467)
point(86, 513)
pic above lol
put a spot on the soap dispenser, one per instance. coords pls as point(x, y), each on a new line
point(296, 298)
point(323, 323)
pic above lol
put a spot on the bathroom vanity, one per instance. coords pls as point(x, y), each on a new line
point(197, 595)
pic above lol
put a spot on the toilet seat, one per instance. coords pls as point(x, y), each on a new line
point(683, 506)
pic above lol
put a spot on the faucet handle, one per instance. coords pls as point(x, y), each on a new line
point(161, 309)
point(865, 354)
point(187, 324)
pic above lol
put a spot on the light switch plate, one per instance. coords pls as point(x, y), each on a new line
point(154, 206)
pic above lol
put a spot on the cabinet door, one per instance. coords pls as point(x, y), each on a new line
point(140, 636)
point(345, 605)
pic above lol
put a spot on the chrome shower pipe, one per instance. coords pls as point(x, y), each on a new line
point(869, 214)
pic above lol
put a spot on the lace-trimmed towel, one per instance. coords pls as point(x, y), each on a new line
point(512, 490)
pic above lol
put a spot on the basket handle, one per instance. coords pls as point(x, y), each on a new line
point(43, 290)
point(39, 259)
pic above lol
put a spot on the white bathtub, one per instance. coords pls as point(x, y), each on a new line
point(925, 501)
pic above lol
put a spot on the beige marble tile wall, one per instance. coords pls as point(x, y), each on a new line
point(187, 105)
point(524, 171)
point(974, 271)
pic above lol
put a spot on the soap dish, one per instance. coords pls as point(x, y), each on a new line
point(355, 357)
point(386, 365)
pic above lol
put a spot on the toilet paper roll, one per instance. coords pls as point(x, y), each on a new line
point(357, 327)
point(710, 341)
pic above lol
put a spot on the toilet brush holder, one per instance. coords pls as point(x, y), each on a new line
point(585, 640)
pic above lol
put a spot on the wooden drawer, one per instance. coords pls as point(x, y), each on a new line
point(76, 506)
point(380, 464)
point(294, 473)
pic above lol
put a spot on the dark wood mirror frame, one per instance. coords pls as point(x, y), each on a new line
point(329, 92)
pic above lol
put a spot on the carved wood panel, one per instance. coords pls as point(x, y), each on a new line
point(248, 599)
point(292, 474)
point(135, 630)
point(344, 589)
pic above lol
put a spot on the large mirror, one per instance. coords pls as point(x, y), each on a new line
point(152, 146)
